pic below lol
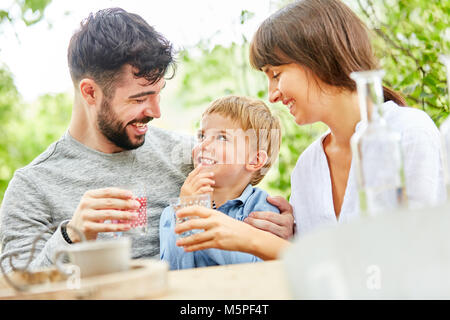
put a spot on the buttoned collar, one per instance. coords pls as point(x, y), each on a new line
point(242, 198)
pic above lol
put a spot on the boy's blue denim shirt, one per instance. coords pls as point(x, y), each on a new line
point(251, 199)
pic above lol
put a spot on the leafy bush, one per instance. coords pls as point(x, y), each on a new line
point(409, 36)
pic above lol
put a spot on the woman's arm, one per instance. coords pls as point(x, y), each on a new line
point(223, 232)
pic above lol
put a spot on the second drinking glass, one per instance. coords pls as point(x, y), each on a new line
point(182, 202)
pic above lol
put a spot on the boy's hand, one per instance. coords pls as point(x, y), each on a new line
point(220, 230)
point(226, 233)
point(198, 182)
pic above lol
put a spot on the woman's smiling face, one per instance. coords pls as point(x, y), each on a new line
point(292, 85)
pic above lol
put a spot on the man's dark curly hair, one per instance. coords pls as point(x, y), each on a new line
point(111, 38)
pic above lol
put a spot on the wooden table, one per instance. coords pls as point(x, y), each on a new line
point(250, 281)
point(258, 281)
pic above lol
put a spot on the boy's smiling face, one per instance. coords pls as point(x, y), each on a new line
point(224, 148)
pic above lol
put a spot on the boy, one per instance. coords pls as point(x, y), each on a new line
point(238, 142)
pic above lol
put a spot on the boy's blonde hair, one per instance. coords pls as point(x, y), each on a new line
point(252, 114)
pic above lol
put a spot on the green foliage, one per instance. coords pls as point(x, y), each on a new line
point(31, 11)
point(26, 130)
point(8, 96)
point(409, 36)
point(210, 73)
point(8, 92)
point(29, 130)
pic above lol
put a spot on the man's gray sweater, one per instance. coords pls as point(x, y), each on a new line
point(48, 191)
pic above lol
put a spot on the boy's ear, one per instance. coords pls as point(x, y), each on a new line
point(258, 161)
point(89, 90)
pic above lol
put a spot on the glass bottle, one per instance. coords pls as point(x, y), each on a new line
point(376, 150)
point(445, 132)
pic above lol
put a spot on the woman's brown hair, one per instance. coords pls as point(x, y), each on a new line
point(325, 36)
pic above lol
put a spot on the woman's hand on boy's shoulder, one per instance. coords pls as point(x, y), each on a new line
point(281, 225)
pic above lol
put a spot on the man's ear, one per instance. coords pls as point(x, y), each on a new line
point(89, 90)
point(258, 161)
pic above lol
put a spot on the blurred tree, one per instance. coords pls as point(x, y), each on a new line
point(28, 132)
point(409, 36)
point(28, 11)
point(27, 129)
point(8, 97)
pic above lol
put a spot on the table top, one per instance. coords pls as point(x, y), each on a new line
point(250, 281)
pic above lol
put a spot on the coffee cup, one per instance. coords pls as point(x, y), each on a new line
point(95, 257)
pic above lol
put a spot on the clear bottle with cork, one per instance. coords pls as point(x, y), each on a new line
point(376, 150)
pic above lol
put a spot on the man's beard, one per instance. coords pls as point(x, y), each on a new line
point(114, 129)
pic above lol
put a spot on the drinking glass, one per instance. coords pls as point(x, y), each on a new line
point(187, 201)
point(139, 225)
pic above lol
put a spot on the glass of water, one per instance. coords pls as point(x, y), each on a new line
point(139, 225)
point(187, 201)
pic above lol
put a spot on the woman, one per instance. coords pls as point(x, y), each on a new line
point(307, 51)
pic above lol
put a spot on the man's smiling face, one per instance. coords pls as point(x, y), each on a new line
point(123, 119)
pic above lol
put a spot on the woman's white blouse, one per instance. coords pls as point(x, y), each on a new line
point(311, 194)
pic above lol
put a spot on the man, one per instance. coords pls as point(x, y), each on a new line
point(117, 63)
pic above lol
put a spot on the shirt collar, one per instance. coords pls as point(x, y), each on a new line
point(244, 195)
